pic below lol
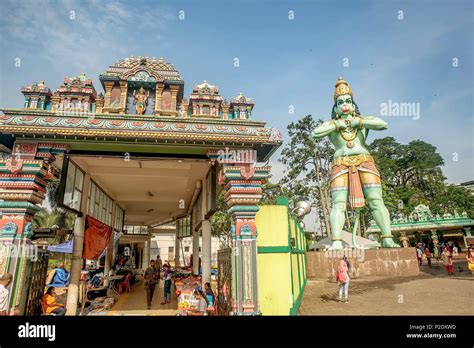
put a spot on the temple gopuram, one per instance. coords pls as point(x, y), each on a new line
point(138, 154)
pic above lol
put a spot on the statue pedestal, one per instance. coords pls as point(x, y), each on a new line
point(364, 263)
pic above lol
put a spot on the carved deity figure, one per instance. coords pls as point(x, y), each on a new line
point(140, 100)
point(354, 174)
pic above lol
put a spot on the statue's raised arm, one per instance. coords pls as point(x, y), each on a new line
point(325, 129)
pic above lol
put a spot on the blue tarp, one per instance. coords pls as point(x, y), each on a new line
point(61, 278)
point(65, 248)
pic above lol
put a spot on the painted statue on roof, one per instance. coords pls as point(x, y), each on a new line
point(140, 98)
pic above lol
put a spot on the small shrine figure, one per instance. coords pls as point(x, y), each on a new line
point(140, 100)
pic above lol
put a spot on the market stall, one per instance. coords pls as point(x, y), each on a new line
point(186, 284)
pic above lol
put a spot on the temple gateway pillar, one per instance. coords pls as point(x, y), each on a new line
point(25, 173)
point(243, 185)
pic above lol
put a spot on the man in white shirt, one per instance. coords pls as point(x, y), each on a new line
point(5, 280)
point(419, 255)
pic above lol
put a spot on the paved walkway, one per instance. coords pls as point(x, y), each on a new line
point(432, 292)
point(134, 303)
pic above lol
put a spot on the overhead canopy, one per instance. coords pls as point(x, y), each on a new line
point(346, 242)
point(64, 248)
point(148, 190)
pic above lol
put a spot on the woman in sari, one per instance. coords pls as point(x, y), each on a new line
point(470, 260)
point(447, 257)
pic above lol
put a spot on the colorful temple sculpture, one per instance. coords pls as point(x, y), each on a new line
point(140, 154)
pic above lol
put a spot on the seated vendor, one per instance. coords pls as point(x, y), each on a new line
point(49, 303)
point(201, 305)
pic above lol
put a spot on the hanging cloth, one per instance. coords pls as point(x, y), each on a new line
point(96, 238)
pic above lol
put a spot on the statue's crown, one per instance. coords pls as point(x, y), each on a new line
point(342, 87)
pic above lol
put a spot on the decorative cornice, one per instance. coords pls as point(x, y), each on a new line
point(123, 126)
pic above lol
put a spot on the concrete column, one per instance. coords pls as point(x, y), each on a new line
point(206, 252)
point(177, 251)
point(110, 249)
point(78, 246)
point(146, 255)
point(196, 252)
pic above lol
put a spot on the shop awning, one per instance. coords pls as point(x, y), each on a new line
point(64, 248)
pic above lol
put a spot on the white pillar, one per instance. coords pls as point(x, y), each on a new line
point(110, 248)
point(78, 245)
point(146, 255)
point(206, 252)
point(196, 252)
point(177, 251)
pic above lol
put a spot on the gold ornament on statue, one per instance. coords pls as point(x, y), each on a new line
point(342, 88)
point(349, 134)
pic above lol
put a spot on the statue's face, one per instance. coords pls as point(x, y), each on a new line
point(344, 105)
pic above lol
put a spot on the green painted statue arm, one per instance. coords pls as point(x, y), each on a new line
point(375, 123)
point(327, 128)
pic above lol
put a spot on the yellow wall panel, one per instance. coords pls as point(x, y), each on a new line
point(272, 225)
point(274, 289)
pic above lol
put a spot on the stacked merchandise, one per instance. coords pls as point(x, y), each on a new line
point(180, 273)
point(185, 291)
point(100, 305)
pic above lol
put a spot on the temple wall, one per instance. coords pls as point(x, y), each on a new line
point(364, 263)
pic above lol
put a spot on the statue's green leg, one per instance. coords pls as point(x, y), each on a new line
point(373, 195)
point(338, 216)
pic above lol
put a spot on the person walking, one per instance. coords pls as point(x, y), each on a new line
point(5, 280)
point(428, 255)
point(167, 284)
point(342, 277)
point(151, 278)
point(158, 263)
point(447, 257)
point(470, 259)
point(419, 255)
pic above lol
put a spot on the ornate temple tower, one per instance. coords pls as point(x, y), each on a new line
point(205, 101)
point(76, 95)
point(37, 96)
point(142, 86)
point(241, 107)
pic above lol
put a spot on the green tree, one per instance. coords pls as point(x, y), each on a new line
point(411, 174)
point(270, 193)
point(309, 167)
point(56, 218)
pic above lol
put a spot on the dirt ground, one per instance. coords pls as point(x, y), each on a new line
point(432, 292)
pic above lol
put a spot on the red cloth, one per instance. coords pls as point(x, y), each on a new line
point(96, 238)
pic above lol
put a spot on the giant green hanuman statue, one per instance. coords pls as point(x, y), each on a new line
point(354, 174)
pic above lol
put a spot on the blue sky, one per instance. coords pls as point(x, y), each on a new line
point(283, 62)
